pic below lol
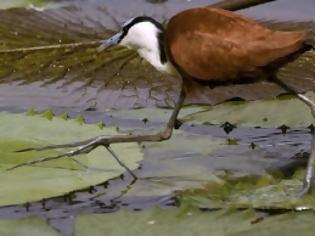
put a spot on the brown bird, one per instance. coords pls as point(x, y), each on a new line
point(206, 45)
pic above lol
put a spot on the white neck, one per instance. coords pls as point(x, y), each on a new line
point(143, 37)
point(154, 58)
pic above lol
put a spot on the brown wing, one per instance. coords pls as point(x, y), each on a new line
point(214, 44)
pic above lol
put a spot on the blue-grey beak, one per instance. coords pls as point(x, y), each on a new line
point(110, 42)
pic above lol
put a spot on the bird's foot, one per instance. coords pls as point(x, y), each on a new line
point(88, 145)
point(82, 147)
point(309, 179)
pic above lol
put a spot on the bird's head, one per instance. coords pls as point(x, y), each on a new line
point(146, 36)
point(136, 33)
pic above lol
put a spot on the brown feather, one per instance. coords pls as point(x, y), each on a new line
point(212, 44)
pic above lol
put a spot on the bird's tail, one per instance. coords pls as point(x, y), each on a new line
point(308, 27)
point(310, 38)
point(298, 74)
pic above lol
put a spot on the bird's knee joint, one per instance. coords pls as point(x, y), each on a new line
point(165, 134)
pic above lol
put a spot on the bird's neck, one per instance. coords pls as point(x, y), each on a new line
point(155, 54)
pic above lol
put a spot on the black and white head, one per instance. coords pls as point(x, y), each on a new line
point(146, 36)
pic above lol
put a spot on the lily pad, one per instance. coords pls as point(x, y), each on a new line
point(261, 194)
point(264, 113)
point(176, 165)
point(267, 113)
point(30, 226)
point(208, 161)
point(54, 178)
point(194, 222)
point(19, 3)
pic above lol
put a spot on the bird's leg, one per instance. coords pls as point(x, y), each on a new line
point(88, 145)
point(110, 150)
point(309, 179)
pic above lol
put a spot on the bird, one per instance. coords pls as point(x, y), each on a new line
point(203, 46)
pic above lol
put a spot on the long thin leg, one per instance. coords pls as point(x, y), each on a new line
point(88, 145)
point(309, 179)
point(111, 151)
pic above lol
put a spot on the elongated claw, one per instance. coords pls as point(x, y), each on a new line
point(120, 162)
point(79, 150)
point(59, 146)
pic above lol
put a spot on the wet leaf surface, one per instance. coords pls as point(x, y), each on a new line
point(197, 157)
point(54, 178)
point(31, 226)
point(19, 3)
point(264, 193)
point(194, 222)
point(285, 111)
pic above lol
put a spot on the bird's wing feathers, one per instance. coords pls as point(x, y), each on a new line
point(219, 45)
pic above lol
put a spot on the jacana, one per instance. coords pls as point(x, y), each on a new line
point(205, 45)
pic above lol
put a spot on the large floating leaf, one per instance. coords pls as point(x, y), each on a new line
point(210, 161)
point(264, 113)
point(19, 3)
point(270, 113)
point(31, 226)
point(176, 165)
point(263, 194)
point(79, 77)
point(193, 222)
point(204, 161)
point(58, 177)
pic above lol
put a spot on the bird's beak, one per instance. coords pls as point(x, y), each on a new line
point(110, 42)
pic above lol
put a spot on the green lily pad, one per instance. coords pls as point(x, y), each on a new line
point(194, 222)
point(264, 113)
point(53, 178)
point(30, 226)
point(19, 3)
point(193, 161)
point(176, 165)
point(268, 113)
point(264, 193)
point(157, 114)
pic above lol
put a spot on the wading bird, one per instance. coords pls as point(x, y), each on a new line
point(205, 45)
